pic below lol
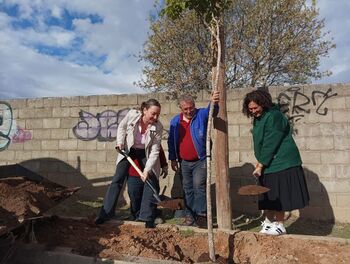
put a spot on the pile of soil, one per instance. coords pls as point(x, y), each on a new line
point(113, 241)
point(21, 199)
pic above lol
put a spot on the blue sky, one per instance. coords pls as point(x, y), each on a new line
point(85, 47)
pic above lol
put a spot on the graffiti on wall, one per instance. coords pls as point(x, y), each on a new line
point(296, 104)
point(102, 126)
point(10, 132)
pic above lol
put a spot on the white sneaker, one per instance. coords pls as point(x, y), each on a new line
point(265, 226)
point(276, 229)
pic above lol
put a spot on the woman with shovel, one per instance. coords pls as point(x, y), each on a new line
point(139, 136)
point(279, 163)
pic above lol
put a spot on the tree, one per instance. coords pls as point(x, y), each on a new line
point(268, 42)
point(211, 13)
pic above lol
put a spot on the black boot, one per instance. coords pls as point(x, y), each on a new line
point(150, 224)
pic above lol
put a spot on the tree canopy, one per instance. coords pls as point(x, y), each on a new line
point(268, 42)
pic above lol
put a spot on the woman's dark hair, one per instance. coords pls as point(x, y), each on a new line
point(149, 103)
point(260, 97)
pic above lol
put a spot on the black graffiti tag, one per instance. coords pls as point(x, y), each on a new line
point(295, 104)
point(325, 97)
point(102, 127)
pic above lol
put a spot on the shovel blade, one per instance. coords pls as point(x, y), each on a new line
point(174, 204)
point(252, 190)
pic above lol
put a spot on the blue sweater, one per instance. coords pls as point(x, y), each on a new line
point(198, 128)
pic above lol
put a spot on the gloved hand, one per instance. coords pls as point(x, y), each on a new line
point(164, 172)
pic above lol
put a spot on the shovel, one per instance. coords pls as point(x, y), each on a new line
point(174, 204)
point(253, 189)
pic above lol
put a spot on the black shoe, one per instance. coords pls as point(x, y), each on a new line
point(150, 224)
point(99, 220)
point(202, 221)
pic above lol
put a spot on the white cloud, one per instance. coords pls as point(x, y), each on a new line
point(24, 72)
point(97, 58)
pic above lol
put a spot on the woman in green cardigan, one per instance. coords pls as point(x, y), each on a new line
point(279, 163)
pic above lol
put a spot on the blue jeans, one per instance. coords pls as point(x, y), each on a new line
point(194, 178)
point(142, 202)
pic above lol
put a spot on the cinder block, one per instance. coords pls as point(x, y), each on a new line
point(17, 103)
point(70, 101)
point(25, 113)
point(52, 102)
point(337, 186)
point(342, 143)
point(333, 129)
point(335, 157)
point(110, 100)
point(33, 123)
point(106, 167)
point(125, 99)
point(40, 154)
point(343, 171)
point(88, 167)
point(88, 100)
point(87, 145)
point(59, 133)
point(43, 112)
point(247, 156)
point(69, 122)
point(32, 145)
point(77, 155)
point(61, 112)
point(321, 171)
point(22, 155)
point(35, 103)
point(310, 157)
point(245, 130)
point(51, 123)
point(98, 156)
point(342, 214)
point(49, 144)
point(59, 155)
point(233, 106)
point(68, 144)
point(313, 143)
point(341, 116)
point(343, 200)
point(7, 155)
point(39, 134)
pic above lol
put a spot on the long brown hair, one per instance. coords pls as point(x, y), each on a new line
point(150, 102)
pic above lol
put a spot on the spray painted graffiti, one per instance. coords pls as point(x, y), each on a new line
point(6, 118)
point(21, 135)
point(295, 104)
point(102, 126)
point(10, 132)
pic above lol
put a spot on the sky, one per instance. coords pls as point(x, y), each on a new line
point(55, 48)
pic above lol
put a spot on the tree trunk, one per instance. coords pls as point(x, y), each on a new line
point(223, 200)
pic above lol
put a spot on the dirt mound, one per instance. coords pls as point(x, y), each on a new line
point(21, 199)
point(114, 241)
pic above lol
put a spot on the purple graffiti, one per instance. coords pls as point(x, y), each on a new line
point(102, 126)
point(21, 135)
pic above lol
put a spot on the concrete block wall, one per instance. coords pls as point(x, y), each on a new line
point(71, 140)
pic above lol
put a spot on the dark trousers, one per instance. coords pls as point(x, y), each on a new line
point(148, 202)
point(142, 202)
point(113, 192)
